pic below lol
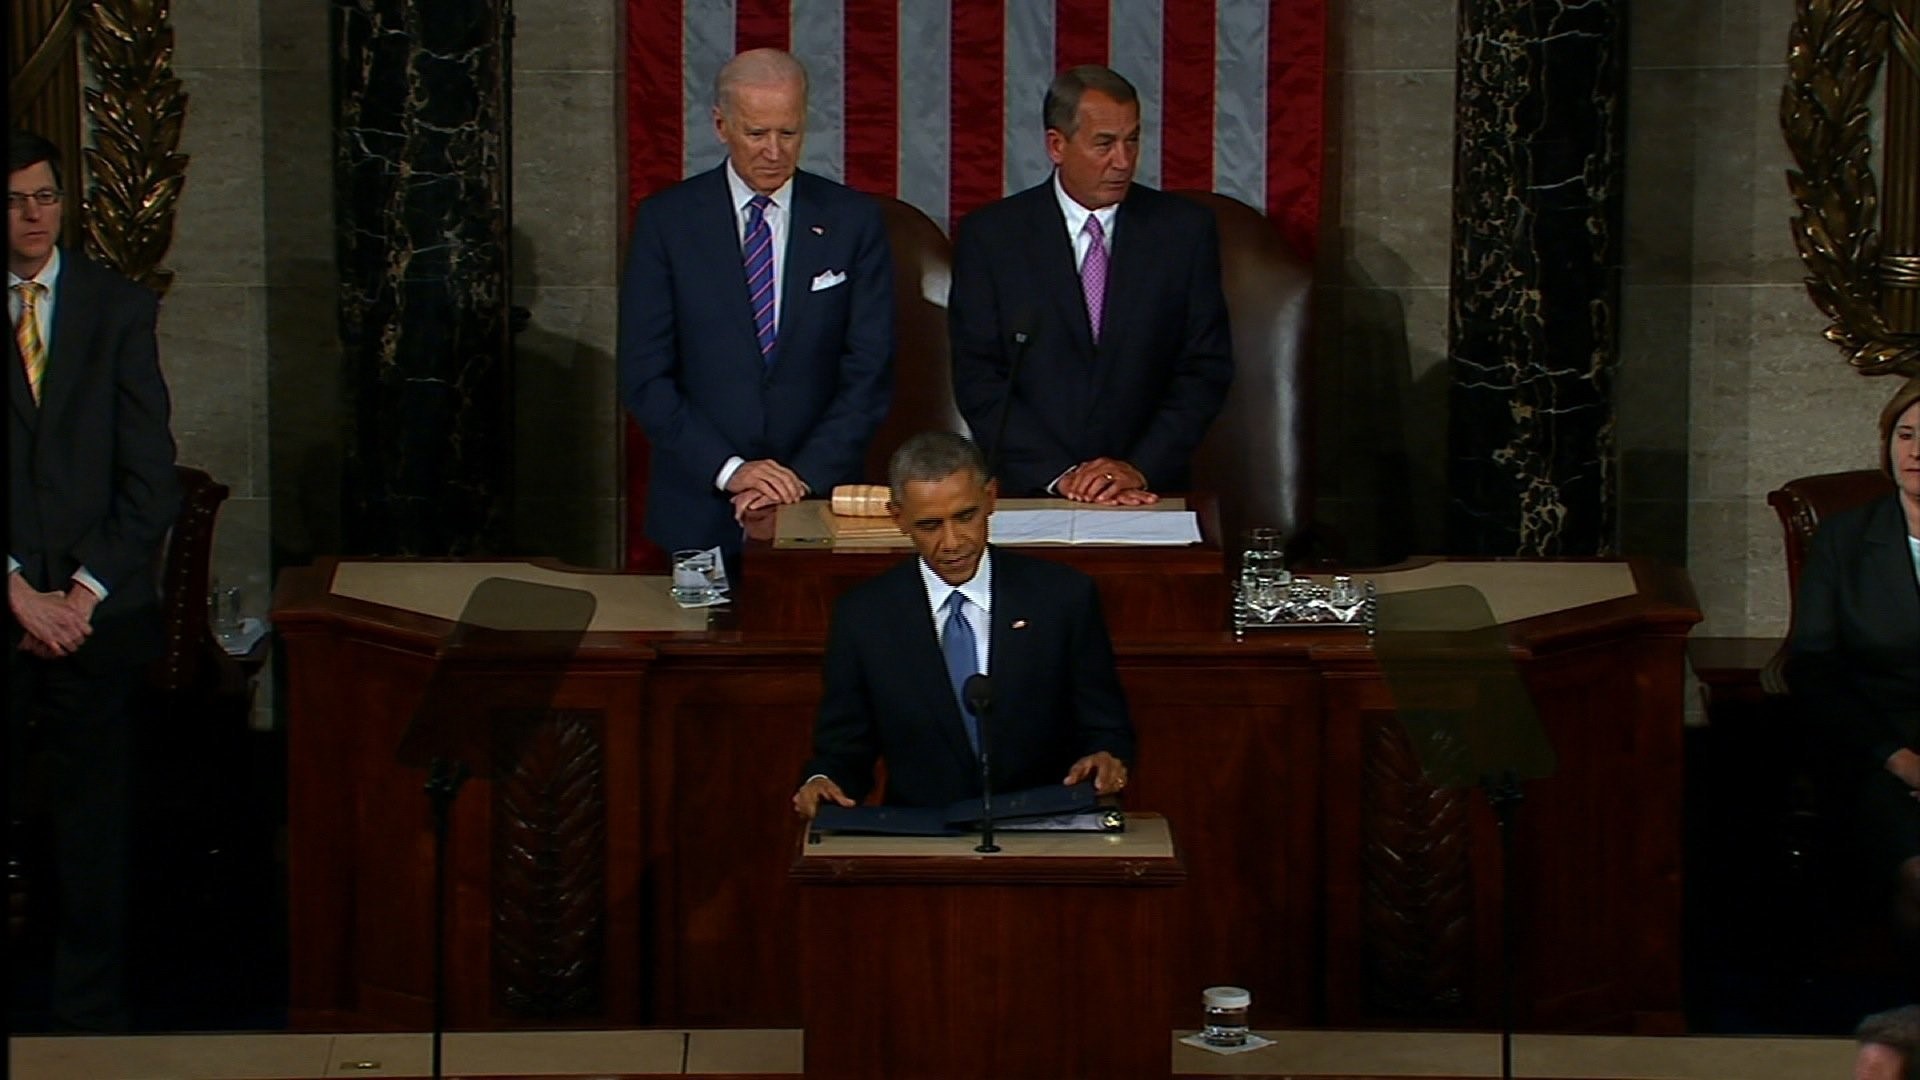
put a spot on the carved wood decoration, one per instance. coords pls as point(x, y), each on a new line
point(43, 82)
point(137, 107)
point(1864, 273)
point(549, 864)
point(1418, 900)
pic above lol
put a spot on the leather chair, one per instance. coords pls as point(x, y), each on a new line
point(1802, 504)
point(1255, 456)
point(185, 578)
point(923, 360)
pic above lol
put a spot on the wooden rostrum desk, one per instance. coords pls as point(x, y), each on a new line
point(634, 868)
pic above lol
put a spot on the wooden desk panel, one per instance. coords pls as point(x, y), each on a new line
point(1324, 874)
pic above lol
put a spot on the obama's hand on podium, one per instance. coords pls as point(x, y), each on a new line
point(806, 801)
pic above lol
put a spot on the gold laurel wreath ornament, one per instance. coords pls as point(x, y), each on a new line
point(1834, 56)
point(137, 110)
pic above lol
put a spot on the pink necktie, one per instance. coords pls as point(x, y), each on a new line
point(1093, 273)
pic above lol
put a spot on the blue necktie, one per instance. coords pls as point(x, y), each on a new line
point(758, 251)
point(956, 644)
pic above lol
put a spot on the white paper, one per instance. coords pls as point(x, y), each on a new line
point(1031, 526)
point(1159, 527)
point(1135, 527)
point(1254, 1042)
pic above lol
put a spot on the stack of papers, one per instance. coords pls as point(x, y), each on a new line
point(1163, 527)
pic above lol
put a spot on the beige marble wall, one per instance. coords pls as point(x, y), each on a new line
point(1724, 368)
point(213, 322)
point(1725, 390)
point(567, 213)
point(1380, 379)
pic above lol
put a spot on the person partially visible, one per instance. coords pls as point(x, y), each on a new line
point(1889, 1045)
point(1107, 294)
point(91, 493)
point(902, 646)
point(1854, 660)
point(756, 321)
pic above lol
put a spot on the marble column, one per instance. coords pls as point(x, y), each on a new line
point(421, 222)
point(1535, 282)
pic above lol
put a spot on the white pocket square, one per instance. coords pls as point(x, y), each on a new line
point(828, 279)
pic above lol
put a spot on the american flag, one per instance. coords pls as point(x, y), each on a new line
point(937, 102)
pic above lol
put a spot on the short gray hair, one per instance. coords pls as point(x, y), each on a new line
point(1896, 1029)
point(930, 457)
point(1061, 111)
point(758, 67)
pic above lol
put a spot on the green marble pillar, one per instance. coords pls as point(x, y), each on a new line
point(1535, 292)
point(421, 211)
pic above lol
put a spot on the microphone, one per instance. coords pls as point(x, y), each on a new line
point(978, 690)
point(1020, 339)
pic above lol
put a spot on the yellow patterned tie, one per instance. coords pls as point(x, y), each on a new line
point(33, 345)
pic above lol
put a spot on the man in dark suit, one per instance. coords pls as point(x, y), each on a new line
point(91, 492)
point(1108, 295)
point(756, 320)
point(903, 644)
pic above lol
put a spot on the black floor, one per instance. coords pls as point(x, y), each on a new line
point(1782, 937)
point(208, 920)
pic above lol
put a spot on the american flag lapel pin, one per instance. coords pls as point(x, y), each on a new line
point(819, 230)
point(1019, 624)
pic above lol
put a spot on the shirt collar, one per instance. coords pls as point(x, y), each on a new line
point(1077, 215)
point(46, 275)
point(742, 194)
point(978, 588)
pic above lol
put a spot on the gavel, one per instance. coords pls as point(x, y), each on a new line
point(860, 500)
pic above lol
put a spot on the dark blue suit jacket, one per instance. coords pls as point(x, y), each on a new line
point(1146, 394)
point(690, 367)
point(90, 479)
point(1056, 696)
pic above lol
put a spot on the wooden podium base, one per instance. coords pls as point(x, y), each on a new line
point(920, 958)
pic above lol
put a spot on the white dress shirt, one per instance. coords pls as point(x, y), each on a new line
point(1077, 216)
point(779, 219)
point(978, 590)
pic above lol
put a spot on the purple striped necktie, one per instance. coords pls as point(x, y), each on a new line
point(1093, 273)
point(759, 256)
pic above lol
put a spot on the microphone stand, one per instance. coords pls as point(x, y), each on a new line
point(444, 777)
point(979, 691)
point(1021, 339)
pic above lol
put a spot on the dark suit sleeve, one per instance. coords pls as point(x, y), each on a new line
point(846, 740)
point(980, 334)
point(650, 354)
point(838, 443)
point(1818, 670)
point(1201, 372)
point(146, 493)
point(1099, 705)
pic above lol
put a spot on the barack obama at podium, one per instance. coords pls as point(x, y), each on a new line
point(903, 645)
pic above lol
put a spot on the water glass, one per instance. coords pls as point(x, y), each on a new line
point(1226, 1015)
point(223, 612)
point(693, 573)
point(1344, 593)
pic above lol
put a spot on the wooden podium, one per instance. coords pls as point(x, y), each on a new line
point(922, 958)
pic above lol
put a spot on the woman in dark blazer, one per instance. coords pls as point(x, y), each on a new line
point(1854, 659)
